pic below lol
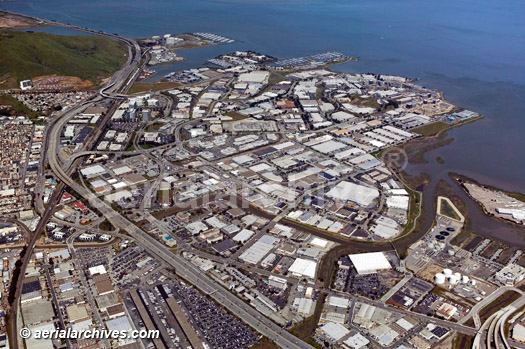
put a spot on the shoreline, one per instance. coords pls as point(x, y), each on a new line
point(460, 179)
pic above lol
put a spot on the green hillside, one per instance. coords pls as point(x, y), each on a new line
point(25, 55)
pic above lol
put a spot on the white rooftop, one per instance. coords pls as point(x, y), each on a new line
point(347, 191)
point(368, 263)
point(335, 331)
point(357, 341)
point(303, 267)
point(92, 170)
point(99, 269)
point(322, 243)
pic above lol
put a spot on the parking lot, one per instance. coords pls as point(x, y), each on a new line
point(221, 329)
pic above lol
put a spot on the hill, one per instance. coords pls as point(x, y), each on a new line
point(26, 55)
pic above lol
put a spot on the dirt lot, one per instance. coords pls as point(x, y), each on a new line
point(8, 21)
point(429, 272)
point(55, 82)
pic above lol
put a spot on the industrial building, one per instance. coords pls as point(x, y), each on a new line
point(303, 268)
point(347, 191)
point(511, 274)
point(277, 282)
point(357, 341)
point(259, 249)
point(369, 263)
point(334, 331)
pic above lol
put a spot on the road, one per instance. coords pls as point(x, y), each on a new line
point(397, 287)
point(182, 267)
point(55, 301)
point(185, 270)
point(496, 329)
point(121, 80)
point(85, 284)
point(489, 299)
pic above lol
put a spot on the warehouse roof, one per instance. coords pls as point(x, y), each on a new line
point(243, 236)
point(359, 194)
point(398, 201)
point(119, 324)
point(259, 249)
point(368, 263)
point(92, 170)
point(303, 267)
point(329, 147)
point(339, 302)
point(99, 269)
point(77, 312)
point(335, 331)
point(357, 341)
point(255, 76)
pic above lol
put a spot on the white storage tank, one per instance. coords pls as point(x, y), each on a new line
point(451, 252)
point(458, 275)
point(473, 282)
point(464, 279)
point(447, 272)
point(439, 278)
point(453, 279)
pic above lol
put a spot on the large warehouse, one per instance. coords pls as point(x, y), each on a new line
point(369, 263)
point(303, 268)
point(347, 191)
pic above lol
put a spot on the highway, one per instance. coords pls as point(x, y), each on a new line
point(182, 267)
point(487, 300)
point(495, 325)
point(120, 81)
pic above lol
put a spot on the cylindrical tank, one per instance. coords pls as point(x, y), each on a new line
point(439, 278)
point(453, 279)
point(464, 279)
point(451, 252)
point(458, 275)
point(473, 282)
point(447, 272)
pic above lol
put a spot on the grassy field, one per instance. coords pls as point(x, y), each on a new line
point(147, 146)
point(417, 148)
point(463, 341)
point(26, 55)
point(236, 116)
point(145, 87)
point(505, 299)
point(431, 129)
point(447, 210)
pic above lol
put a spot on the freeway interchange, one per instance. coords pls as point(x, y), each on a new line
point(64, 170)
point(119, 84)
